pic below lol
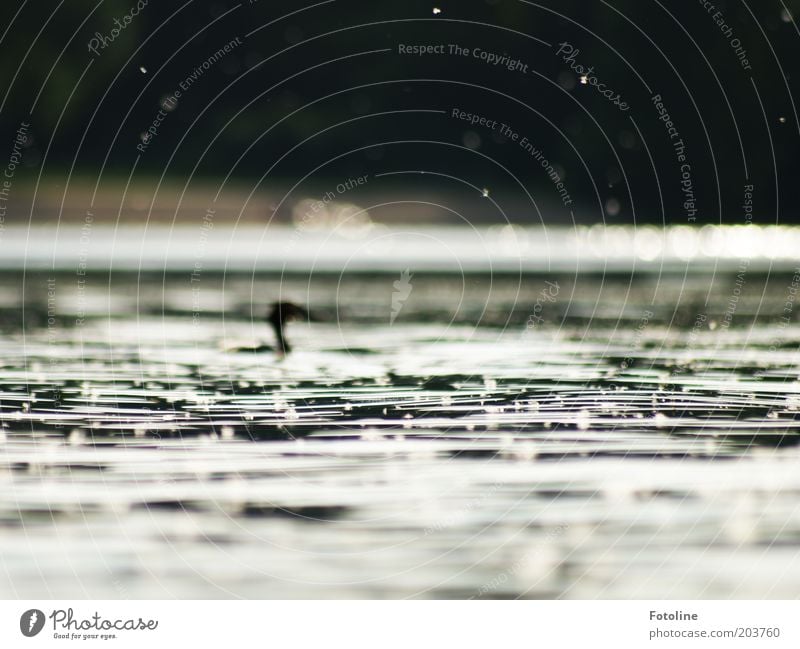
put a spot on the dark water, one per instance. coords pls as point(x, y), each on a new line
point(636, 437)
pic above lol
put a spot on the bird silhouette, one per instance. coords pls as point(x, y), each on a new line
point(280, 313)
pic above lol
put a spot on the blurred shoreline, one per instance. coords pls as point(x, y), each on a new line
point(376, 247)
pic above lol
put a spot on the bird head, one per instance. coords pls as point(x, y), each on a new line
point(282, 312)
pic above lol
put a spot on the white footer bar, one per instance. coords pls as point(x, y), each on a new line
point(400, 624)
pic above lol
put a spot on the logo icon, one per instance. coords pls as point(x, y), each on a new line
point(31, 622)
point(402, 290)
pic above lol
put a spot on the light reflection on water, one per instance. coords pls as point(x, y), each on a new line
point(143, 456)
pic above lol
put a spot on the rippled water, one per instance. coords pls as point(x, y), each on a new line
point(638, 441)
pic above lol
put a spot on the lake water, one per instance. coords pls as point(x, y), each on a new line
point(554, 432)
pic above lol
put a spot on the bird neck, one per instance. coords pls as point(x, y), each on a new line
point(282, 345)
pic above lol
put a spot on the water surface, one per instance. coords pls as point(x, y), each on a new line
point(637, 441)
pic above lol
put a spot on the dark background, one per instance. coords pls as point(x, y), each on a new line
point(300, 106)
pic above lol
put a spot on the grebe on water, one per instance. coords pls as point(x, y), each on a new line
point(279, 315)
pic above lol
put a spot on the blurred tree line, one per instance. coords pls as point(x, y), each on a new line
point(322, 92)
